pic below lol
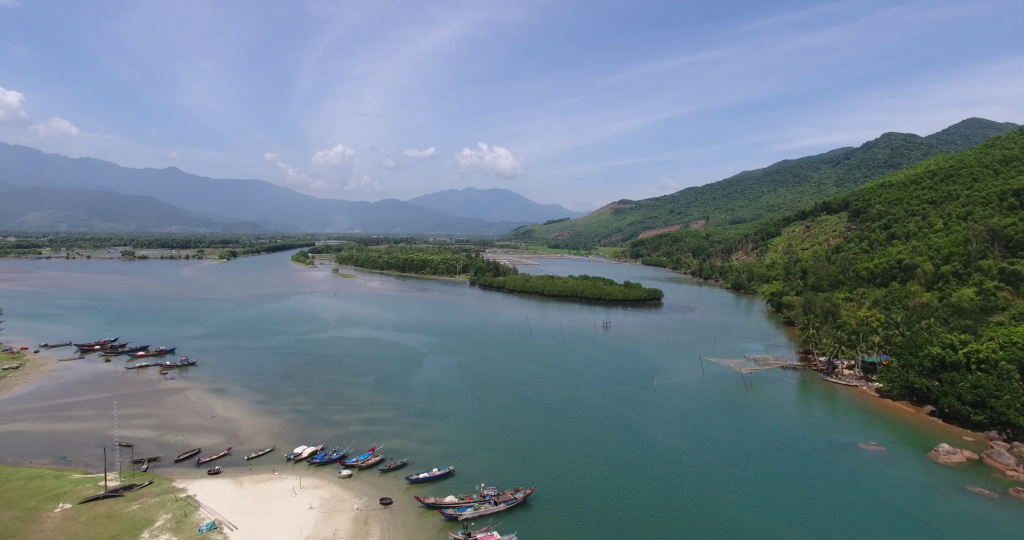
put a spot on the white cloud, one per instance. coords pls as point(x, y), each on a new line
point(332, 156)
point(270, 156)
point(11, 109)
point(174, 155)
point(55, 127)
point(10, 3)
point(294, 177)
point(491, 159)
point(413, 153)
point(388, 163)
point(363, 184)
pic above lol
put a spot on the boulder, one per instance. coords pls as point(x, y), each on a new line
point(994, 436)
point(1000, 444)
point(947, 455)
point(1002, 460)
point(928, 409)
point(1014, 475)
point(1018, 447)
point(971, 456)
point(1017, 492)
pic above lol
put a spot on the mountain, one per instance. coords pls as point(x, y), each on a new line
point(925, 266)
point(752, 195)
point(79, 210)
point(492, 205)
point(270, 205)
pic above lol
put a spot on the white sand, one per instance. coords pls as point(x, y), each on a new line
point(275, 507)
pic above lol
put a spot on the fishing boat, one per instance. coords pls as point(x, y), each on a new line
point(371, 461)
point(124, 443)
point(100, 497)
point(492, 506)
point(327, 458)
point(360, 458)
point(427, 476)
point(218, 455)
point(260, 453)
point(142, 365)
point(187, 454)
point(138, 461)
point(452, 501)
point(145, 466)
point(160, 351)
point(184, 361)
point(294, 454)
point(140, 486)
point(125, 350)
point(839, 381)
point(163, 372)
point(486, 533)
point(214, 471)
point(303, 453)
point(394, 465)
point(54, 345)
point(99, 343)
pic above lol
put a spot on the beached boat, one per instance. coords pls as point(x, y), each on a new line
point(452, 501)
point(142, 365)
point(839, 381)
point(100, 497)
point(294, 454)
point(326, 458)
point(360, 458)
point(99, 343)
point(139, 486)
point(486, 533)
point(145, 466)
point(184, 361)
point(214, 471)
point(124, 443)
point(303, 453)
point(138, 461)
point(54, 345)
point(125, 351)
point(370, 461)
point(492, 506)
point(160, 351)
point(394, 465)
point(261, 453)
point(427, 476)
point(218, 455)
point(187, 454)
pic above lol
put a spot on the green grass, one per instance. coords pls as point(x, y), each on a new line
point(29, 495)
point(7, 359)
point(346, 276)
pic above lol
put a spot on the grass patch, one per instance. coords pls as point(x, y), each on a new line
point(29, 495)
point(9, 359)
point(346, 276)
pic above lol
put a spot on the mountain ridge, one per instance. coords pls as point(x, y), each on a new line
point(493, 204)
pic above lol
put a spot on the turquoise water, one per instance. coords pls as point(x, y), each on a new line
point(623, 430)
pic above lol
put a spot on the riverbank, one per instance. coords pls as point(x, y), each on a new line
point(462, 279)
point(33, 367)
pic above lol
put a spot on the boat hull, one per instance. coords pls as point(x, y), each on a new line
point(417, 479)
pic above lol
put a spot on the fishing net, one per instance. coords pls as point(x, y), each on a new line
point(750, 364)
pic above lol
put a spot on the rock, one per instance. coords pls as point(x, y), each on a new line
point(971, 456)
point(1018, 447)
point(1014, 475)
point(994, 436)
point(981, 491)
point(947, 455)
point(928, 409)
point(871, 446)
point(967, 439)
point(999, 444)
point(1002, 460)
point(1017, 492)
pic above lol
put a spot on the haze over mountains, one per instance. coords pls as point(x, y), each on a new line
point(786, 186)
point(173, 200)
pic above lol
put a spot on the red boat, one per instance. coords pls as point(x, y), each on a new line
point(156, 352)
point(100, 343)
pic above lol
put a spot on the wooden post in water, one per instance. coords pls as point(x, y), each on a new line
point(104, 468)
point(744, 381)
point(701, 364)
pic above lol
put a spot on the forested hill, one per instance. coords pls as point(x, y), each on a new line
point(926, 265)
point(784, 187)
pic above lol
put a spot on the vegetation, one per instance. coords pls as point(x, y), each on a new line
point(573, 287)
point(445, 261)
point(302, 257)
point(779, 189)
point(553, 221)
point(31, 245)
point(925, 266)
point(31, 494)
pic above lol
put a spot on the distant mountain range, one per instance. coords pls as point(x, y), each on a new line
point(784, 187)
point(172, 199)
point(492, 205)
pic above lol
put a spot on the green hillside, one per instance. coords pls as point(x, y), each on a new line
point(926, 265)
point(784, 187)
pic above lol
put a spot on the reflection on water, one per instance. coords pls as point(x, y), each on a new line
point(621, 430)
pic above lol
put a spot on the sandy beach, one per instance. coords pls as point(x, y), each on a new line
point(272, 506)
point(35, 366)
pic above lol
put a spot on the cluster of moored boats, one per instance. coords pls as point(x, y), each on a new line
point(111, 348)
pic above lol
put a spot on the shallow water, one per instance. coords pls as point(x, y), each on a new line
point(624, 431)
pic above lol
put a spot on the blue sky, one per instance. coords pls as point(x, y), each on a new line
point(579, 103)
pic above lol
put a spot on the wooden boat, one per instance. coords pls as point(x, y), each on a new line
point(140, 486)
point(360, 458)
point(142, 365)
point(261, 453)
point(184, 361)
point(100, 497)
point(487, 533)
point(187, 454)
point(218, 455)
point(371, 461)
point(163, 372)
point(394, 465)
point(326, 458)
point(309, 452)
point(839, 381)
point(145, 466)
point(214, 471)
point(492, 506)
point(142, 460)
point(294, 454)
point(124, 443)
point(452, 501)
point(427, 476)
point(156, 352)
point(125, 350)
point(99, 343)
point(55, 345)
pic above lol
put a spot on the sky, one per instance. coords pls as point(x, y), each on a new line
point(576, 103)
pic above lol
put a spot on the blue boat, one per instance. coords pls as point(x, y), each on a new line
point(427, 476)
point(358, 459)
point(326, 458)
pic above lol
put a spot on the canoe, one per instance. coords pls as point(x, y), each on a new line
point(839, 381)
point(124, 443)
point(452, 501)
point(371, 461)
point(360, 458)
point(138, 461)
point(261, 453)
point(184, 361)
point(127, 350)
point(214, 471)
point(55, 345)
point(158, 352)
point(100, 497)
point(187, 454)
point(427, 476)
point(140, 486)
point(218, 455)
point(145, 466)
point(394, 465)
point(492, 506)
point(96, 344)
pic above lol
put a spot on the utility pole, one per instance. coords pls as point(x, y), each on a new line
point(117, 445)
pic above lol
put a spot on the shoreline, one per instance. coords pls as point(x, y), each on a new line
point(400, 274)
point(35, 366)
